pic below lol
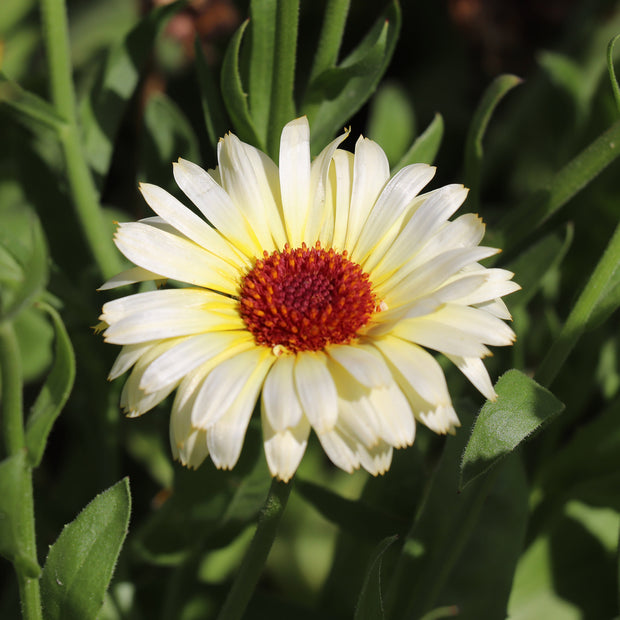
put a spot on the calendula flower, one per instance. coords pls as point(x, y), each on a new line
point(316, 286)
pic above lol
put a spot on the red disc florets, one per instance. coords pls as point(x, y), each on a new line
point(305, 299)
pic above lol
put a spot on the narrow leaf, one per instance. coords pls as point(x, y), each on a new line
point(500, 86)
point(426, 145)
point(53, 394)
point(370, 603)
point(522, 407)
point(28, 107)
point(13, 472)
point(612, 72)
point(216, 121)
point(80, 563)
point(261, 56)
point(235, 99)
point(102, 110)
point(353, 516)
point(330, 116)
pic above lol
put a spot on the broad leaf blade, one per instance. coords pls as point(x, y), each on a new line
point(13, 472)
point(80, 563)
point(370, 603)
point(101, 112)
point(522, 407)
point(330, 116)
point(53, 394)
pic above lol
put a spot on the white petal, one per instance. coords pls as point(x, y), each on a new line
point(228, 383)
point(371, 171)
point(280, 402)
point(440, 420)
point(192, 352)
point(215, 204)
point(416, 367)
point(340, 182)
point(362, 363)
point(251, 180)
point(191, 450)
point(497, 308)
point(340, 449)
point(128, 356)
point(375, 460)
point(284, 449)
point(394, 414)
point(316, 390)
point(390, 205)
point(174, 257)
point(319, 185)
point(295, 178)
point(129, 276)
point(225, 437)
point(473, 368)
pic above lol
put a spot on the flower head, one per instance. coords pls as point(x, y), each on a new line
point(315, 286)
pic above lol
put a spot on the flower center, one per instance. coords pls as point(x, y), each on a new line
point(305, 299)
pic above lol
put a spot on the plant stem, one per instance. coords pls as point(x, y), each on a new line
point(256, 555)
point(83, 190)
point(578, 318)
point(13, 432)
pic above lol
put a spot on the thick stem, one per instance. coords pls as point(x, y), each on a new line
point(256, 555)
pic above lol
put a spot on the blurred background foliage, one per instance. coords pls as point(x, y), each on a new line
point(547, 516)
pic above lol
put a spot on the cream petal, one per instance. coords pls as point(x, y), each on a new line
point(284, 449)
point(340, 183)
point(316, 390)
point(192, 352)
point(416, 367)
point(225, 437)
point(394, 414)
point(249, 178)
point(295, 176)
point(361, 362)
point(280, 401)
point(340, 449)
point(215, 204)
point(128, 356)
point(371, 171)
point(192, 450)
point(174, 257)
point(441, 420)
point(473, 368)
point(129, 276)
point(390, 205)
point(375, 460)
point(229, 382)
point(319, 185)
point(497, 308)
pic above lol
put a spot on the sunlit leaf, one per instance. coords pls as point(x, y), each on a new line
point(370, 603)
point(81, 562)
point(521, 409)
point(53, 394)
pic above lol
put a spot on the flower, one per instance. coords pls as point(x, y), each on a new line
point(317, 287)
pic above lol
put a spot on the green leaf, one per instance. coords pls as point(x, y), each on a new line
point(13, 472)
point(53, 394)
point(612, 72)
point(370, 603)
point(392, 121)
point(102, 110)
point(353, 516)
point(569, 76)
point(235, 99)
point(168, 136)
point(212, 105)
point(330, 116)
point(261, 56)
point(500, 86)
point(81, 562)
point(34, 272)
point(27, 107)
point(521, 408)
point(425, 147)
point(522, 221)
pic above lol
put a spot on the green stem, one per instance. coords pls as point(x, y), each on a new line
point(13, 432)
point(83, 190)
point(332, 32)
point(256, 556)
point(577, 320)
